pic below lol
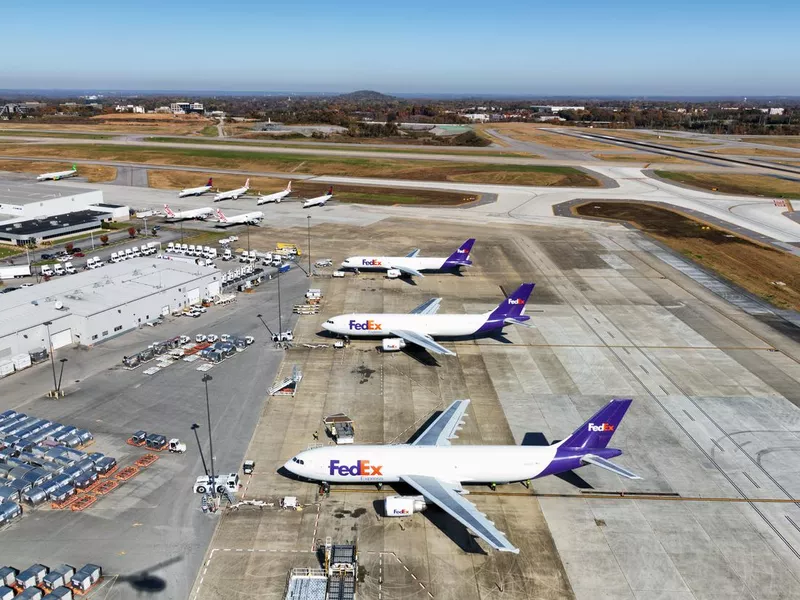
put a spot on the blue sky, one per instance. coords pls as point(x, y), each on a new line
point(579, 47)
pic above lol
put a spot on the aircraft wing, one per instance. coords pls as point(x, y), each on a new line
point(413, 253)
point(445, 427)
point(444, 495)
point(420, 339)
point(407, 270)
point(429, 307)
point(609, 466)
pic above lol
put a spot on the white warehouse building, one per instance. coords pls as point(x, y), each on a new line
point(29, 200)
point(92, 306)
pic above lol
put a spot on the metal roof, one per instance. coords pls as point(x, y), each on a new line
point(93, 291)
point(25, 192)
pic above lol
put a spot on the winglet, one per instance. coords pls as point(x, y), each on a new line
point(247, 183)
point(210, 182)
point(74, 167)
point(289, 187)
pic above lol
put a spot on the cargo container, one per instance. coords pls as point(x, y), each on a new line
point(32, 576)
point(8, 575)
point(6, 593)
point(155, 440)
point(85, 480)
point(62, 493)
point(86, 577)
point(21, 361)
point(34, 496)
point(33, 593)
point(84, 435)
point(105, 464)
point(6, 368)
point(8, 494)
point(60, 593)
point(58, 576)
point(20, 485)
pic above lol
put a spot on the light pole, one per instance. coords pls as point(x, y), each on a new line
point(308, 217)
point(50, 347)
point(206, 379)
point(280, 324)
point(60, 375)
point(264, 323)
point(248, 237)
point(145, 226)
point(195, 427)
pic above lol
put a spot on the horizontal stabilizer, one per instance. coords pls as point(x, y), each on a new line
point(513, 321)
point(597, 461)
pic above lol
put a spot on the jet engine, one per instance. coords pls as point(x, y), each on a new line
point(393, 344)
point(393, 273)
point(403, 506)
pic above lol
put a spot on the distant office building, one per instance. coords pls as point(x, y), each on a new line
point(183, 108)
point(477, 117)
point(555, 109)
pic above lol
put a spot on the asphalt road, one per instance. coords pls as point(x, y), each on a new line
point(153, 522)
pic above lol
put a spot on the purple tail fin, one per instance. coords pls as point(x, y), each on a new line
point(514, 305)
point(461, 256)
point(597, 431)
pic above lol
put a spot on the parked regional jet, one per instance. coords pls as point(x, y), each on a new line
point(319, 200)
point(233, 194)
point(252, 218)
point(276, 197)
point(436, 469)
point(182, 215)
point(423, 324)
point(58, 174)
point(412, 263)
point(198, 191)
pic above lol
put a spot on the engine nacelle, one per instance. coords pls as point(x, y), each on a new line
point(393, 344)
point(403, 506)
point(393, 273)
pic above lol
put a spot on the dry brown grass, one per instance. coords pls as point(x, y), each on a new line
point(790, 141)
point(314, 165)
point(92, 173)
point(533, 132)
point(179, 180)
point(128, 123)
point(666, 140)
point(736, 183)
point(755, 152)
point(752, 266)
point(643, 158)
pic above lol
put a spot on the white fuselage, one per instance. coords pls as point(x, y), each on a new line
point(276, 197)
point(251, 217)
point(386, 464)
point(196, 213)
point(56, 176)
point(381, 325)
point(198, 191)
point(231, 195)
point(384, 263)
point(318, 201)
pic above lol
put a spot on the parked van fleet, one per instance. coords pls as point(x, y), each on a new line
point(69, 268)
point(128, 253)
point(58, 269)
point(46, 270)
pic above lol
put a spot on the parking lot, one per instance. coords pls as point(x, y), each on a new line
point(611, 321)
point(153, 523)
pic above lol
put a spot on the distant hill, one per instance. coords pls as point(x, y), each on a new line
point(366, 96)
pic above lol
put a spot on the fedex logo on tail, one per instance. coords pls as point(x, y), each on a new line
point(516, 301)
point(601, 428)
point(371, 262)
point(368, 325)
point(362, 468)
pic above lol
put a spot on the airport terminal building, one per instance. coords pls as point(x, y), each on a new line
point(92, 306)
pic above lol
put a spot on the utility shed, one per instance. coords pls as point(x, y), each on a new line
point(94, 305)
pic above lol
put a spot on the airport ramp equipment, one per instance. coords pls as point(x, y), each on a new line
point(287, 386)
point(306, 584)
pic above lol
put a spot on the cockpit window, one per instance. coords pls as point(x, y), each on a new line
point(329, 321)
point(297, 460)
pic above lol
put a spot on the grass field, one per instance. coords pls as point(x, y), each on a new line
point(124, 123)
point(644, 158)
point(9, 251)
point(316, 165)
point(209, 131)
point(790, 141)
point(665, 139)
point(758, 269)
point(81, 136)
point(755, 152)
point(176, 180)
point(411, 149)
point(92, 173)
point(735, 183)
point(533, 132)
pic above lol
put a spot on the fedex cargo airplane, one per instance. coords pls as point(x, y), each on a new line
point(233, 194)
point(276, 197)
point(182, 215)
point(412, 263)
point(423, 324)
point(436, 469)
point(251, 218)
point(319, 200)
point(198, 191)
point(58, 174)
